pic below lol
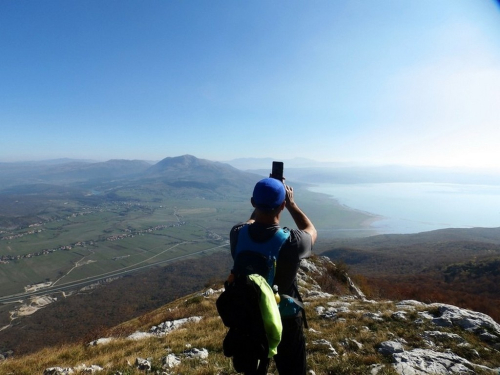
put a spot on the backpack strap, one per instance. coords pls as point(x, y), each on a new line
point(295, 300)
point(290, 306)
point(303, 309)
point(258, 257)
point(269, 247)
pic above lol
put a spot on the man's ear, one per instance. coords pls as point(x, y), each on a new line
point(253, 202)
point(283, 205)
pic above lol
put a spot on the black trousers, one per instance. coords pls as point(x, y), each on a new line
point(291, 357)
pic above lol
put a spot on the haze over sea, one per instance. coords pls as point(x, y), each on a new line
point(420, 207)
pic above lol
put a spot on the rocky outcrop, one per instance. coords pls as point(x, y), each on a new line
point(169, 362)
point(425, 361)
point(390, 347)
point(155, 331)
point(433, 359)
point(472, 321)
point(82, 369)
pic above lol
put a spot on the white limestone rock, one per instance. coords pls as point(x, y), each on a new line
point(374, 316)
point(442, 322)
point(390, 347)
point(467, 319)
point(425, 315)
point(353, 288)
point(440, 336)
point(340, 304)
point(165, 327)
point(320, 310)
point(425, 362)
point(84, 369)
point(208, 292)
point(139, 336)
point(160, 330)
point(102, 341)
point(143, 364)
point(317, 294)
point(348, 298)
point(330, 313)
point(197, 353)
point(58, 371)
point(399, 315)
point(329, 346)
point(410, 304)
point(351, 344)
point(308, 266)
point(170, 361)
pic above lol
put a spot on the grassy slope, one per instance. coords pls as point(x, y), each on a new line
point(209, 333)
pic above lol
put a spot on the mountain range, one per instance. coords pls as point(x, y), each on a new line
point(181, 177)
point(186, 168)
point(296, 169)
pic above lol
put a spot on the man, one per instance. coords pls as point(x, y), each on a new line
point(270, 198)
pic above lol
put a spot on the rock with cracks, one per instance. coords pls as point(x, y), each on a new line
point(425, 362)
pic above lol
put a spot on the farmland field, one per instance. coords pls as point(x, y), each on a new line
point(102, 240)
point(65, 239)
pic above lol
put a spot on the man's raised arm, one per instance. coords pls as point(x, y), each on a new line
point(300, 218)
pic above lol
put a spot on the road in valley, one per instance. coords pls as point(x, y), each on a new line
point(78, 284)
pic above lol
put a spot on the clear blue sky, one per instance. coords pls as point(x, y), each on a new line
point(385, 81)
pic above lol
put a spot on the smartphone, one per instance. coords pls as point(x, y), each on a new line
point(277, 171)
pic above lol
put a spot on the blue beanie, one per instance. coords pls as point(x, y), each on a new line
point(268, 194)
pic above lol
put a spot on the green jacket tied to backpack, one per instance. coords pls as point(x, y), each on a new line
point(270, 314)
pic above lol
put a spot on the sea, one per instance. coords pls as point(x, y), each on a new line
point(420, 207)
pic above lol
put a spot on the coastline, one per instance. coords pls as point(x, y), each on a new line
point(368, 223)
point(404, 208)
point(343, 220)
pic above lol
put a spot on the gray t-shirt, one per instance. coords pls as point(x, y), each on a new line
point(298, 246)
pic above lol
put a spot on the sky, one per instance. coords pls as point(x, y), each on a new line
point(414, 82)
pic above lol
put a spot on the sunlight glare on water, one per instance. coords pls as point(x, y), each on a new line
point(419, 207)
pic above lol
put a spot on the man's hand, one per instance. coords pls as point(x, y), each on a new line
point(289, 196)
point(300, 218)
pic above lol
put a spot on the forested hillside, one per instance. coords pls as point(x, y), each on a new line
point(453, 266)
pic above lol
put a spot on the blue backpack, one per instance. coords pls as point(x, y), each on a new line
point(238, 306)
point(258, 257)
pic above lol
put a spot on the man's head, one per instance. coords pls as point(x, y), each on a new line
point(268, 195)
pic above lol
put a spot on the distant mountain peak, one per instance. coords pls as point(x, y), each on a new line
point(189, 165)
point(188, 160)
